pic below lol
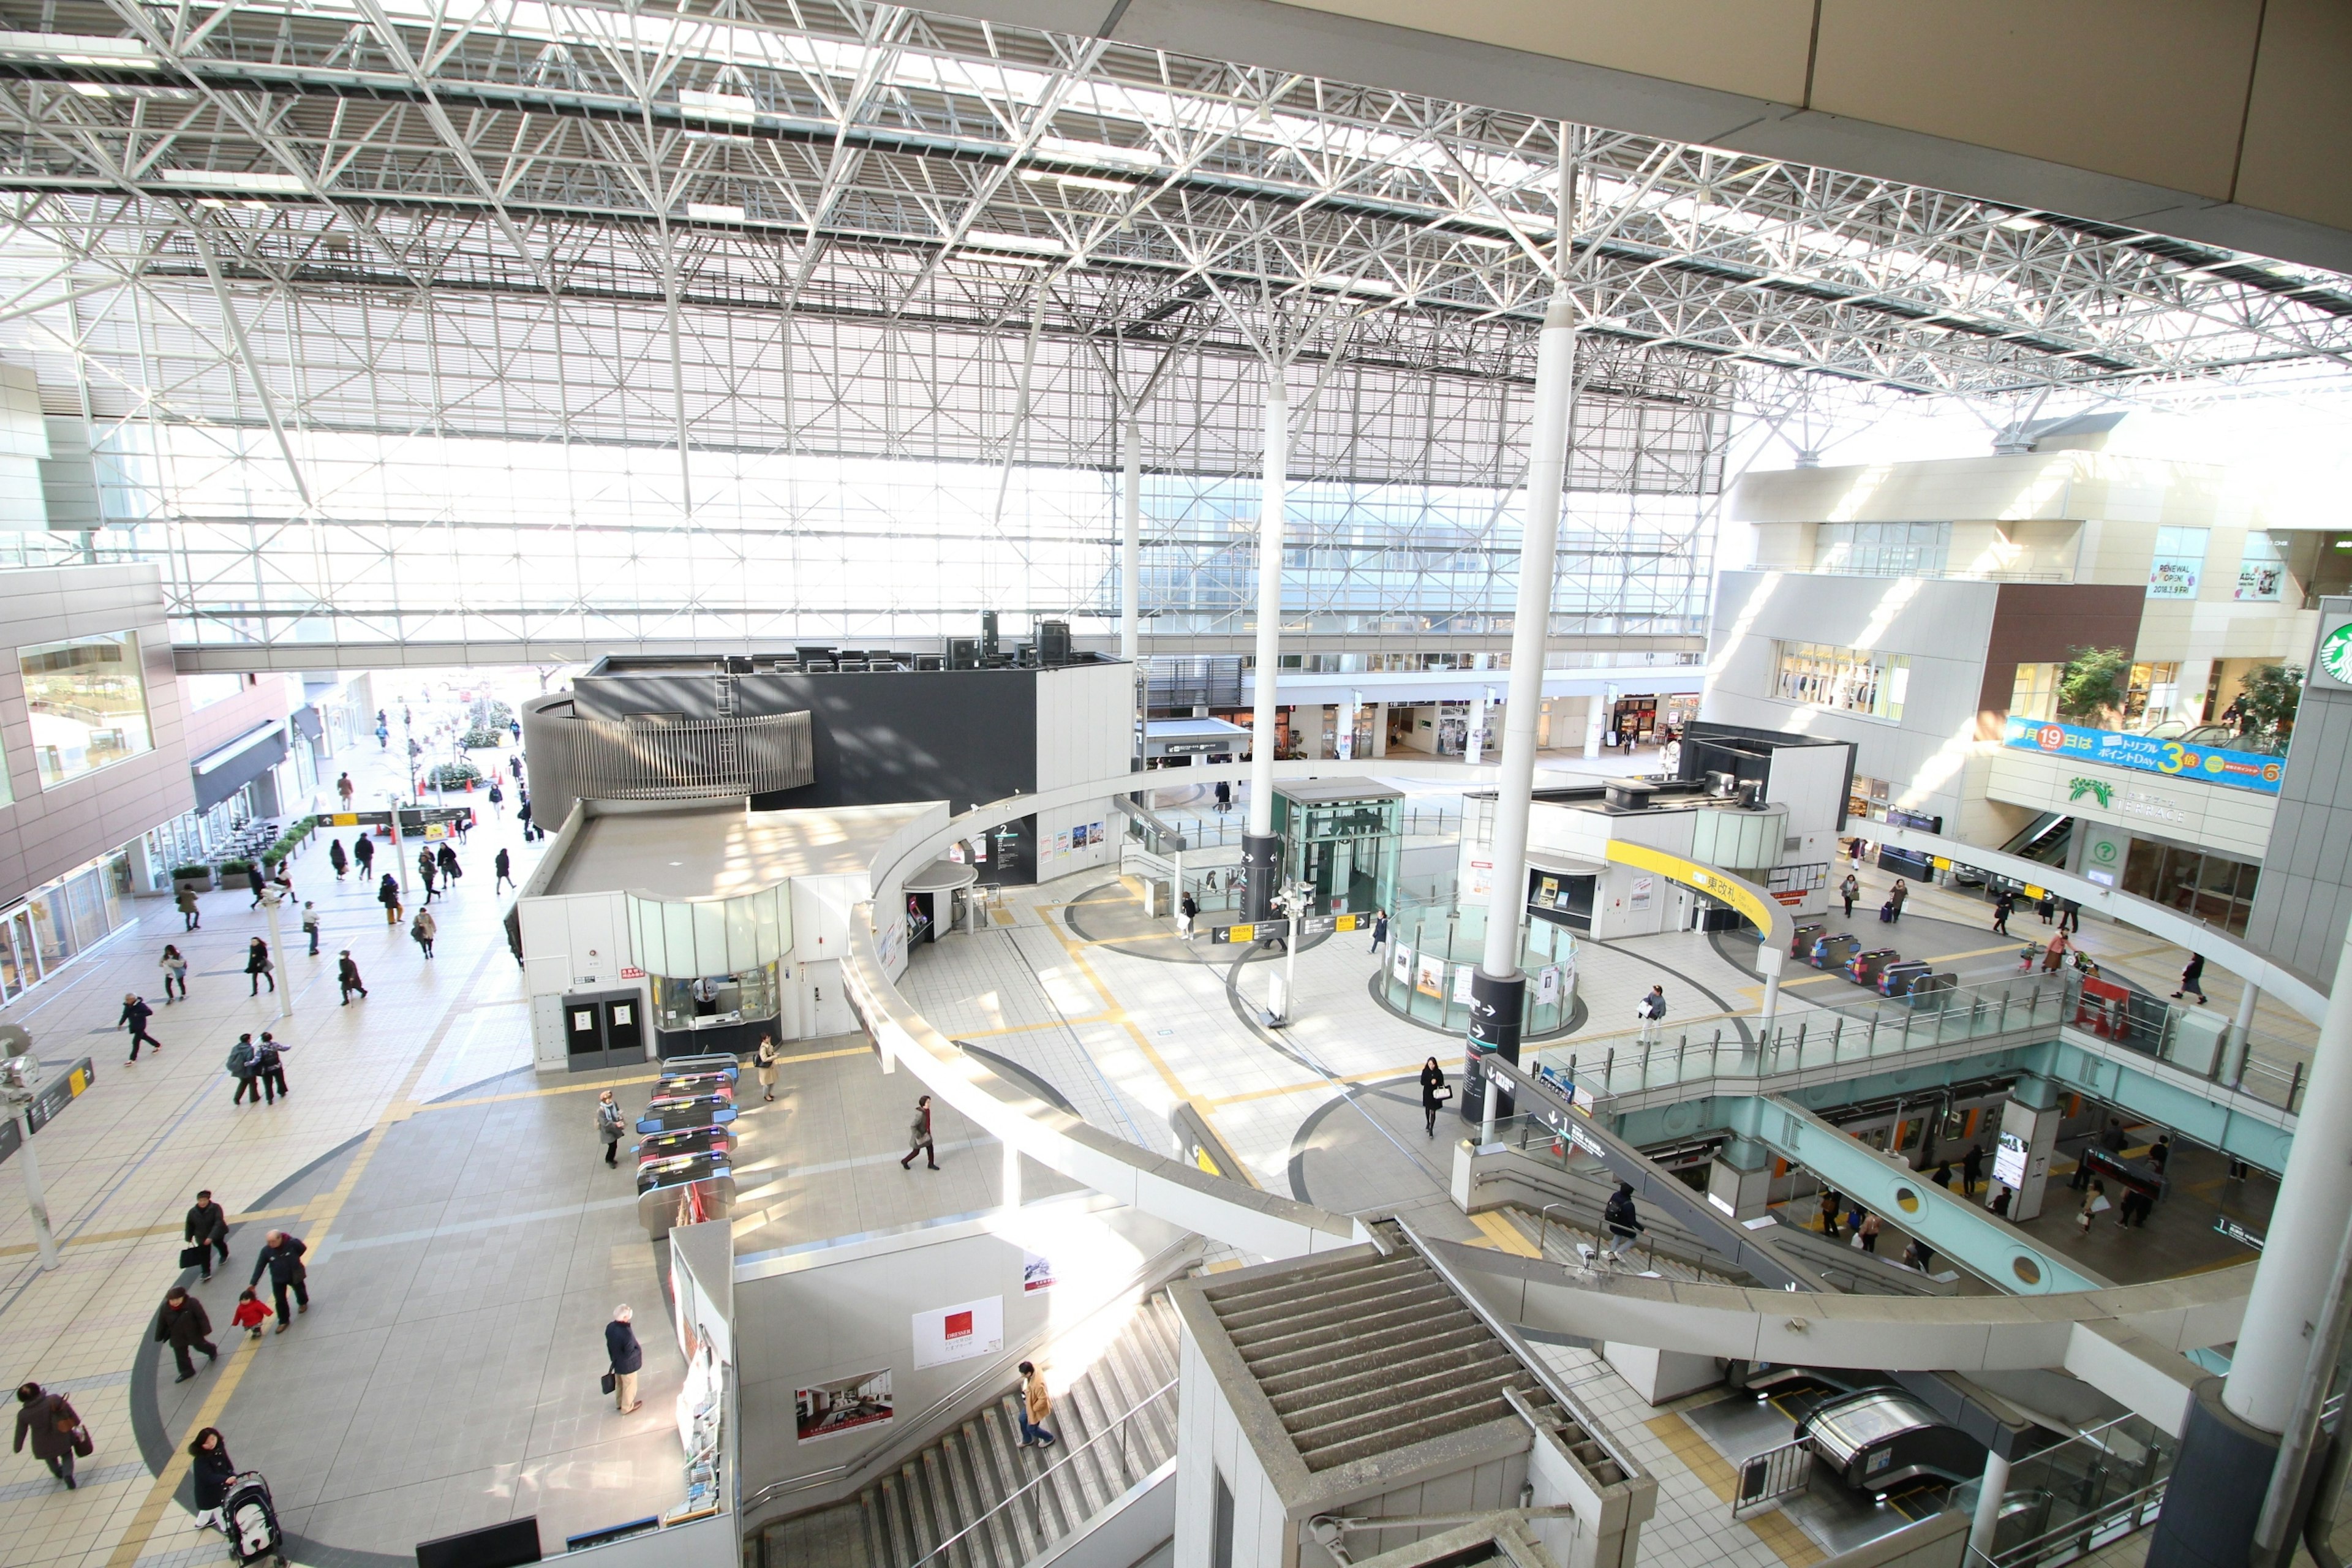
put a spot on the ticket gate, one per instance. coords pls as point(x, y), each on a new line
point(685, 1141)
point(1932, 990)
point(1833, 952)
point(1897, 979)
point(668, 1114)
point(680, 1085)
point(672, 1169)
point(692, 1198)
point(1863, 967)
point(1800, 943)
point(721, 1062)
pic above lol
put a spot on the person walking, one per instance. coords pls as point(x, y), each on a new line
point(2192, 979)
point(364, 852)
point(135, 1014)
point(282, 1255)
point(1943, 1176)
point(1379, 931)
point(1902, 892)
point(609, 1126)
point(1225, 797)
point(497, 801)
point(2070, 915)
point(424, 928)
point(250, 1314)
point(210, 1468)
point(2054, 953)
point(2046, 906)
point(257, 966)
point(1035, 1405)
point(1849, 890)
point(2002, 906)
point(258, 880)
point(763, 1061)
point(207, 1225)
point(522, 815)
point(1188, 909)
point(310, 926)
point(181, 1324)
point(450, 871)
point(269, 1066)
point(2094, 1201)
point(343, 788)
point(54, 1429)
point(625, 1356)
point(1433, 1094)
point(504, 866)
point(1868, 1231)
point(430, 872)
point(918, 1134)
point(175, 974)
point(1620, 1224)
point(337, 858)
point(1971, 1170)
point(387, 893)
point(191, 915)
point(347, 977)
point(1830, 1202)
point(514, 766)
point(241, 1057)
point(1651, 1011)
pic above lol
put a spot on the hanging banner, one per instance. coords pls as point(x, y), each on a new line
point(2146, 754)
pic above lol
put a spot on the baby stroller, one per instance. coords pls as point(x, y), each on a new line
point(250, 1521)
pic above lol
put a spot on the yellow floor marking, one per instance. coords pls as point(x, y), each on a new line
point(1114, 1014)
point(1001, 917)
point(1375, 1076)
point(98, 1237)
point(1792, 1546)
point(1503, 1236)
point(319, 1216)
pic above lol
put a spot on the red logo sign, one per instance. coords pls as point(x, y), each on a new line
point(2051, 738)
point(956, 1326)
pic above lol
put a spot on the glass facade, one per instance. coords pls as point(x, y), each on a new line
point(2211, 888)
point(1852, 679)
point(89, 704)
point(2179, 562)
point(67, 917)
point(1882, 549)
point(1433, 952)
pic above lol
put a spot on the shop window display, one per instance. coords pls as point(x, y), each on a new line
point(88, 701)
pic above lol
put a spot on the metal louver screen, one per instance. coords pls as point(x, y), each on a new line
point(664, 759)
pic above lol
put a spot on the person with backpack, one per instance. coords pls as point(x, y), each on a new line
point(347, 976)
point(609, 1126)
point(135, 1014)
point(387, 893)
point(54, 1429)
point(242, 1056)
point(1620, 1224)
point(424, 928)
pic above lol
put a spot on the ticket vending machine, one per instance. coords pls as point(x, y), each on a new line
point(604, 1029)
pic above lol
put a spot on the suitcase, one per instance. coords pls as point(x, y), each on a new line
point(1886, 912)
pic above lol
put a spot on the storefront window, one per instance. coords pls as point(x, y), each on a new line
point(2211, 887)
point(89, 704)
point(1855, 680)
point(707, 1001)
point(52, 927)
point(2034, 694)
point(2262, 570)
point(2179, 562)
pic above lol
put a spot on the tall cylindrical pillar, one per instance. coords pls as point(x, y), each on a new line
point(2241, 1032)
point(1261, 850)
point(1130, 541)
point(1497, 990)
point(1989, 1492)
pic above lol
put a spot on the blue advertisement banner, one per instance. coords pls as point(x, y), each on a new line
point(2146, 754)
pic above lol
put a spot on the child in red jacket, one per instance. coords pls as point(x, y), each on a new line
point(250, 1314)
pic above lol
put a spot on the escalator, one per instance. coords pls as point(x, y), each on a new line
point(2046, 839)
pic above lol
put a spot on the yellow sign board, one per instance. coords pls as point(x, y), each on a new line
point(343, 818)
point(1241, 934)
point(1766, 914)
point(1348, 922)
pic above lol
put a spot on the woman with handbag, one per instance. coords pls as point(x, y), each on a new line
point(1433, 1093)
point(57, 1433)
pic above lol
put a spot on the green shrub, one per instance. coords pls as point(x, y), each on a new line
point(234, 868)
point(192, 873)
point(484, 737)
point(454, 776)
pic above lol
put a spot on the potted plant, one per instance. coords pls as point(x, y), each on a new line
point(236, 868)
point(199, 877)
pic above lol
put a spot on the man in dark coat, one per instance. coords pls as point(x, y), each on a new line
point(50, 1421)
point(621, 1348)
point(254, 879)
point(182, 1325)
point(135, 1014)
point(505, 868)
point(207, 1228)
point(347, 976)
point(282, 1255)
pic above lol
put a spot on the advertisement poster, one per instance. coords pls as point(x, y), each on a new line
point(1462, 983)
point(956, 1334)
point(1482, 878)
point(842, 1405)
point(2145, 754)
point(2174, 576)
point(1401, 966)
point(1547, 985)
point(1037, 1274)
point(1061, 845)
point(1642, 888)
point(1094, 833)
point(1429, 975)
point(2008, 1161)
point(2260, 579)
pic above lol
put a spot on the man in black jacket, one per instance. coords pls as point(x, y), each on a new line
point(184, 1325)
point(621, 1348)
point(1620, 1224)
point(135, 1014)
point(282, 1255)
point(207, 1227)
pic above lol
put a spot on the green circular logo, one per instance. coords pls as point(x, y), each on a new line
point(2336, 654)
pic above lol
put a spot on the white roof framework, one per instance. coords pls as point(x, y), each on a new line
point(814, 227)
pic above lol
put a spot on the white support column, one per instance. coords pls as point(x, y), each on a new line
point(1596, 706)
point(1269, 604)
point(2241, 1028)
point(1347, 735)
point(1130, 541)
point(1474, 749)
point(1991, 1492)
point(2307, 1222)
point(1011, 1178)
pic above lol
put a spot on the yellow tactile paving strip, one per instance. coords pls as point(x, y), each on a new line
point(1773, 1528)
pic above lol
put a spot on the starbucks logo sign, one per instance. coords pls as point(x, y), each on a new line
point(2336, 654)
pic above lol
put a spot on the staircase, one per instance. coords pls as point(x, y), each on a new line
point(962, 1481)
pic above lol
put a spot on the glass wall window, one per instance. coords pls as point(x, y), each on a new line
point(1852, 679)
point(203, 690)
point(2208, 886)
point(2034, 693)
point(1882, 549)
point(707, 1001)
point(2179, 562)
point(89, 703)
point(2262, 569)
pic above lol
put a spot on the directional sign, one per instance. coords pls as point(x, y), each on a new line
point(1313, 925)
point(2236, 1232)
point(60, 1093)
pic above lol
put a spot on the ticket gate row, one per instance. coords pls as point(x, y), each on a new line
point(686, 1147)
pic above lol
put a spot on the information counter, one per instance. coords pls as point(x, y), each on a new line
point(714, 1015)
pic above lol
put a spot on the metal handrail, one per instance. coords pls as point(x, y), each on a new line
point(1038, 1479)
point(2075, 1534)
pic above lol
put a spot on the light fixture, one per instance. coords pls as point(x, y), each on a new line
point(2021, 223)
point(236, 180)
point(991, 239)
point(733, 107)
point(1484, 241)
point(255, 206)
point(997, 261)
point(78, 49)
point(714, 212)
point(1082, 182)
point(1348, 284)
point(1062, 149)
point(216, 202)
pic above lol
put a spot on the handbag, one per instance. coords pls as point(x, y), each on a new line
point(608, 1383)
point(83, 1444)
point(191, 1257)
